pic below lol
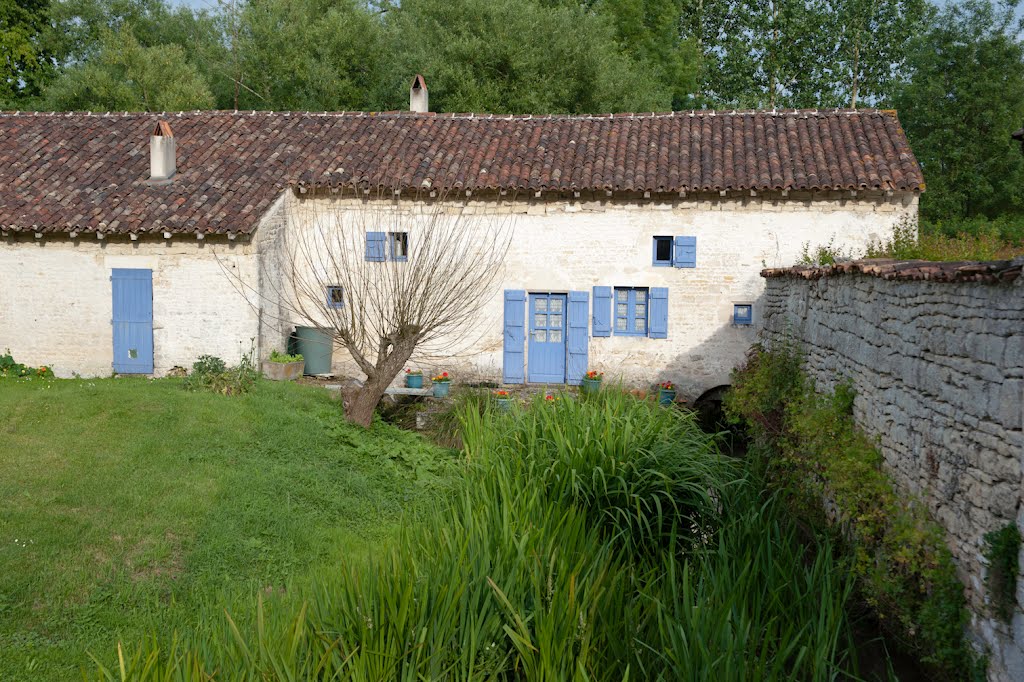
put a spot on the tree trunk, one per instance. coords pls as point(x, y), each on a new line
point(362, 402)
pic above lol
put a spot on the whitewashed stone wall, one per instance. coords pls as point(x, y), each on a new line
point(573, 244)
point(55, 299)
point(939, 374)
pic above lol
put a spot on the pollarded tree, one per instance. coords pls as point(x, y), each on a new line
point(388, 278)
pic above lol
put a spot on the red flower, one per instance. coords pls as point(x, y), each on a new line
point(444, 374)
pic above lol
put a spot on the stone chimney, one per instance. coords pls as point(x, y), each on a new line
point(418, 99)
point(162, 157)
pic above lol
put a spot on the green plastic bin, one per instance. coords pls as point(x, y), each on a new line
point(316, 346)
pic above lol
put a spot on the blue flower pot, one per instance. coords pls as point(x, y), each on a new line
point(666, 397)
point(414, 381)
point(591, 385)
point(441, 389)
point(504, 404)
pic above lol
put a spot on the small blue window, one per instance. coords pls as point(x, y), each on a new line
point(663, 251)
point(398, 243)
point(335, 297)
point(743, 314)
point(631, 311)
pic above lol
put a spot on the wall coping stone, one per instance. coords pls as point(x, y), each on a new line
point(986, 272)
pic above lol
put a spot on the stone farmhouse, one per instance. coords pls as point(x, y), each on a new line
point(134, 243)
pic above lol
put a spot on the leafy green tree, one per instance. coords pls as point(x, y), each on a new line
point(125, 76)
point(868, 41)
point(963, 97)
point(516, 56)
point(305, 54)
point(25, 63)
point(799, 53)
point(649, 30)
point(80, 27)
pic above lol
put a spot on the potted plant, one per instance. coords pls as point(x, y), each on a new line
point(441, 384)
point(503, 399)
point(413, 378)
point(283, 367)
point(666, 393)
point(592, 381)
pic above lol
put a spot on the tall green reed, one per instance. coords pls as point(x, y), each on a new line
point(598, 539)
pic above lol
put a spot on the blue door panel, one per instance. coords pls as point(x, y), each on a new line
point(548, 315)
point(132, 321)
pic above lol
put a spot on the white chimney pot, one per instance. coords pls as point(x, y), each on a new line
point(162, 156)
point(418, 98)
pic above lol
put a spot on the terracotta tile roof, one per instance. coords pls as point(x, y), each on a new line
point(990, 272)
point(64, 172)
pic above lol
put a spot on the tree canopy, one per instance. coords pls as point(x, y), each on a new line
point(960, 101)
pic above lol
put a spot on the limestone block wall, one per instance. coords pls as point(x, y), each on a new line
point(55, 299)
point(938, 368)
point(563, 244)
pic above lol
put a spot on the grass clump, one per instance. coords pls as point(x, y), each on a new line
point(131, 508)
point(812, 452)
point(604, 539)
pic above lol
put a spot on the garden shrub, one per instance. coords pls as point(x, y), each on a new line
point(1002, 551)
point(210, 373)
point(9, 369)
point(980, 243)
point(833, 476)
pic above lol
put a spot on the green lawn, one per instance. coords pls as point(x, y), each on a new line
point(130, 506)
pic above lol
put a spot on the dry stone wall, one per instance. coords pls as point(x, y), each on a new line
point(936, 354)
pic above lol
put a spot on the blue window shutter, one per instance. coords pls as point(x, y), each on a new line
point(513, 357)
point(685, 253)
point(577, 337)
point(658, 310)
point(375, 246)
point(602, 311)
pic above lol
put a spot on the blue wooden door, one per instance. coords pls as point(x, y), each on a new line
point(132, 292)
point(546, 359)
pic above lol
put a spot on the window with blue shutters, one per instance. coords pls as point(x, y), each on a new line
point(743, 314)
point(631, 311)
point(375, 247)
point(685, 252)
point(335, 297)
point(398, 246)
point(657, 313)
point(602, 320)
point(662, 251)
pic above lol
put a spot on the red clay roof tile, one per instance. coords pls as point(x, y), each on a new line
point(78, 172)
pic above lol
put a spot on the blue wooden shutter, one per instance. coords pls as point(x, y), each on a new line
point(658, 311)
point(577, 337)
point(513, 357)
point(375, 246)
point(685, 253)
point(132, 320)
point(602, 311)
